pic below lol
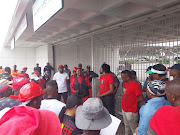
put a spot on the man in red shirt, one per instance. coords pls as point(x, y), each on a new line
point(106, 89)
point(132, 94)
point(81, 85)
point(72, 79)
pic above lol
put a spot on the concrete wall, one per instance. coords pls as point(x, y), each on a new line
point(22, 57)
point(72, 56)
point(44, 54)
point(26, 57)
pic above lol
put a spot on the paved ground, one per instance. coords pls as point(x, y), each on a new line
point(121, 129)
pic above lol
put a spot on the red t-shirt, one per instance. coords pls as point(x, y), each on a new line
point(104, 82)
point(131, 91)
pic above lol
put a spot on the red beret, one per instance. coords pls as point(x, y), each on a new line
point(166, 121)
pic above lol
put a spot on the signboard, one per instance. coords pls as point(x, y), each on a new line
point(112, 128)
point(43, 10)
point(13, 43)
point(162, 54)
point(23, 25)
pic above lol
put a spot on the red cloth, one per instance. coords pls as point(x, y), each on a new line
point(23, 120)
point(131, 91)
point(41, 82)
point(4, 88)
point(80, 80)
point(104, 82)
point(166, 121)
point(72, 79)
point(27, 76)
point(19, 82)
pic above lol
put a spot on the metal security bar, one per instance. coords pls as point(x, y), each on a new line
point(133, 47)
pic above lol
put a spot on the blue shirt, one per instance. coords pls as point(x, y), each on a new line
point(147, 111)
point(90, 73)
point(116, 80)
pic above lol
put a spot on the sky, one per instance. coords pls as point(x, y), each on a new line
point(7, 9)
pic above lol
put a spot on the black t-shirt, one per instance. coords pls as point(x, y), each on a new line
point(48, 68)
point(38, 69)
point(69, 127)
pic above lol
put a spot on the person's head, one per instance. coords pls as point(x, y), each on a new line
point(165, 121)
point(66, 67)
point(61, 68)
point(0, 67)
point(15, 66)
point(48, 64)
point(73, 101)
point(6, 91)
point(156, 88)
point(74, 71)
point(175, 70)
point(148, 71)
point(24, 70)
point(105, 68)
point(88, 68)
point(8, 70)
point(37, 65)
point(94, 116)
point(79, 65)
point(159, 71)
point(31, 95)
point(79, 72)
point(133, 74)
point(126, 76)
point(52, 89)
point(173, 92)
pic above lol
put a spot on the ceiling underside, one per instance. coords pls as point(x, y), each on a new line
point(79, 17)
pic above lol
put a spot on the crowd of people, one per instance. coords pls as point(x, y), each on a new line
point(32, 104)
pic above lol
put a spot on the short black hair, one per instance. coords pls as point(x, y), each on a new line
point(106, 68)
point(126, 72)
point(160, 67)
point(133, 72)
point(52, 83)
point(7, 69)
point(79, 65)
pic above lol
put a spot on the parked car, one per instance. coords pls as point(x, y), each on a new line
point(177, 58)
point(142, 59)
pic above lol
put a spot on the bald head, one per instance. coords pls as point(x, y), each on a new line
point(173, 87)
point(173, 92)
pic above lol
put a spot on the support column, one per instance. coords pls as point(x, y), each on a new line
point(92, 67)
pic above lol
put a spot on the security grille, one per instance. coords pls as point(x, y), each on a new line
point(135, 47)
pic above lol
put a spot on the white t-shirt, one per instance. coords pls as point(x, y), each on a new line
point(61, 80)
point(53, 105)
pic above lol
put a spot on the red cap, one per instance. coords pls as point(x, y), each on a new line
point(74, 69)
point(60, 66)
point(24, 68)
point(30, 121)
point(30, 91)
point(36, 72)
point(166, 121)
point(19, 82)
point(4, 88)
